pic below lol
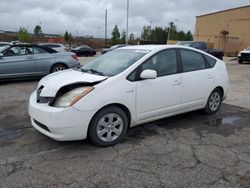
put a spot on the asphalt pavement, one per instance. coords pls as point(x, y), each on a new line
point(189, 150)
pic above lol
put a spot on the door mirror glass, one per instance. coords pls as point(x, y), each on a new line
point(148, 74)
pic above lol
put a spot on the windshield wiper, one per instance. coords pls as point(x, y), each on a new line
point(93, 71)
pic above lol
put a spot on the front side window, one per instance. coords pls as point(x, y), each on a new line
point(18, 50)
point(164, 63)
point(192, 61)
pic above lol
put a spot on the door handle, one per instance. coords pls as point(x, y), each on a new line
point(209, 76)
point(176, 83)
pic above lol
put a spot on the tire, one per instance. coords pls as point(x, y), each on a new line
point(213, 102)
point(58, 67)
point(103, 132)
point(240, 62)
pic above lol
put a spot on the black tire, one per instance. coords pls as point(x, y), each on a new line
point(213, 107)
point(101, 116)
point(240, 62)
point(58, 67)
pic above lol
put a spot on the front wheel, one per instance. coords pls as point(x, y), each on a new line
point(213, 102)
point(108, 126)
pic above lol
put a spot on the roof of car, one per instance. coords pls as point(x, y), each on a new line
point(149, 47)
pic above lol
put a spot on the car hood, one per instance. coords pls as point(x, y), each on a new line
point(53, 82)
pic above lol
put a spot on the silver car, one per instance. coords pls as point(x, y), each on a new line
point(56, 46)
point(25, 60)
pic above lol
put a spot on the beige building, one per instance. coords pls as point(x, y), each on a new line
point(227, 29)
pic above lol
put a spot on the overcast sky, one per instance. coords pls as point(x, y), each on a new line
point(86, 17)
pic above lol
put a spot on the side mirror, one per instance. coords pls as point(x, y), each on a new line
point(148, 74)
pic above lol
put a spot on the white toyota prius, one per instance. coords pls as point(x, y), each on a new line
point(124, 88)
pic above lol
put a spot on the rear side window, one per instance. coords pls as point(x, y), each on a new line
point(192, 61)
point(39, 50)
point(211, 61)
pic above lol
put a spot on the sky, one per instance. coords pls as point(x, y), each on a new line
point(86, 17)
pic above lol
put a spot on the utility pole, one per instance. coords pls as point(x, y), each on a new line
point(106, 24)
point(169, 29)
point(127, 21)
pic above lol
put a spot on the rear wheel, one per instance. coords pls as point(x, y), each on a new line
point(213, 102)
point(58, 67)
point(108, 126)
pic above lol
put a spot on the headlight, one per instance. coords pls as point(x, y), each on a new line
point(71, 97)
point(239, 54)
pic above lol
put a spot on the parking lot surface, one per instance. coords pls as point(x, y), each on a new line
point(189, 150)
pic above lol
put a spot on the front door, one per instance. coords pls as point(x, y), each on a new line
point(17, 61)
point(156, 98)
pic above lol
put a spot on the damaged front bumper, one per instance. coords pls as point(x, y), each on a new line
point(59, 123)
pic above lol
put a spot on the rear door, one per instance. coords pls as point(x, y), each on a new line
point(43, 60)
point(197, 79)
point(17, 62)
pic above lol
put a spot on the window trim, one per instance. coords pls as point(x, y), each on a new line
point(178, 66)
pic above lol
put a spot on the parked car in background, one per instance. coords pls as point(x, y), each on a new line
point(56, 46)
point(24, 60)
point(124, 88)
point(2, 44)
point(84, 50)
point(203, 46)
point(244, 55)
point(105, 50)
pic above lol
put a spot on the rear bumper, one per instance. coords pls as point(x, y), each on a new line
point(59, 123)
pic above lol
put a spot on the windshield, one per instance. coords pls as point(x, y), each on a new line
point(114, 47)
point(2, 48)
point(115, 62)
point(248, 49)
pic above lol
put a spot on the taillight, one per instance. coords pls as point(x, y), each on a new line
point(74, 56)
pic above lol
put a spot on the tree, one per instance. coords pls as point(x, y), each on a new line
point(115, 35)
point(131, 36)
point(23, 35)
point(158, 35)
point(66, 36)
point(146, 33)
point(38, 30)
point(123, 37)
point(189, 36)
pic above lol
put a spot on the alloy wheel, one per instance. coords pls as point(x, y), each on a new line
point(214, 101)
point(109, 127)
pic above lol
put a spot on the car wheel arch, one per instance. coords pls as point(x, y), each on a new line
point(121, 106)
point(220, 88)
